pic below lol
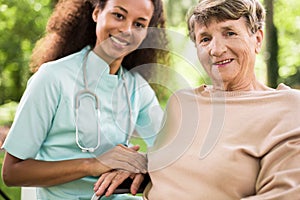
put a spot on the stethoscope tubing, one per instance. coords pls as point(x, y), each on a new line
point(86, 90)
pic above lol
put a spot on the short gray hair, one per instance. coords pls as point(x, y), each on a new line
point(222, 10)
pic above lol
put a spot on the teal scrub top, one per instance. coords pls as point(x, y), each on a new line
point(44, 124)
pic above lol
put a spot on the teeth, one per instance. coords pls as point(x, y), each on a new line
point(223, 62)
point(118, 41)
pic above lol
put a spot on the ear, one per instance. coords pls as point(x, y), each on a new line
point(259, 40)
point(96, 12)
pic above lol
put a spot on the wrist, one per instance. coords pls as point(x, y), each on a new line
point(95, 167)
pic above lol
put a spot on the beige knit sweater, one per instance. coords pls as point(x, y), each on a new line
point(228, 146)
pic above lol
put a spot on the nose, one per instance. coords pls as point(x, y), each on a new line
point(217, 47)
point(126, 28)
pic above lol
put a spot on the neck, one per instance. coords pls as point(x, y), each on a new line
point(114, 66)
point(251, 86)
point(114, 63)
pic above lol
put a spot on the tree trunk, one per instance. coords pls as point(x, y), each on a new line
point(271, 46)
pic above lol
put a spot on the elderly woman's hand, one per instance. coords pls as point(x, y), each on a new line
point(124, 158)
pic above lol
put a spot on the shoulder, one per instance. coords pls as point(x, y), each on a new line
point(55, 73)
point(68, 62)
point(139, 84)
point(136, 77)
point(61, 68)
point(185, 94)
point(181, 99)
point(290, 93)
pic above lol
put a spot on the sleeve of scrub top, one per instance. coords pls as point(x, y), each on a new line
point(279, 176)
point(34, 115)
point(150, 114)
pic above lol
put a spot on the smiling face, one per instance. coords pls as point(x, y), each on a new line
point(121, 27)
point(227, 51)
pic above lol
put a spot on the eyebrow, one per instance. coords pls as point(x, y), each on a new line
point(229, 27)
point(223, 28)
point(124, 10)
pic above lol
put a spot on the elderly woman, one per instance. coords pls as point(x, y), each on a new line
point(236, 138)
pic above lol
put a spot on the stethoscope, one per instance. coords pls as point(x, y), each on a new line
point(87, 91)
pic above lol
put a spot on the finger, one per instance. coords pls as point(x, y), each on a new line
point(139, 161)
point(122, 165)
point(132, 176)
point(137, 181)
point(125, 158)
point(139, 166)
point(122, 148)
point(135, 159)
point(118, 179)
point(135, 147)
point(99, 181)
point(132, 166)
point(105, 183)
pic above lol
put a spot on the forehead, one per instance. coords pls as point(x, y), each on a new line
point(218, 25)
point(141, 8)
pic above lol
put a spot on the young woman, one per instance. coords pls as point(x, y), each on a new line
point(82, 104)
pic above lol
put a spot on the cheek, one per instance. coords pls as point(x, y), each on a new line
point(246, 47)
point(247, 55)
point(203, 57)
point(139, 36)
point(200, 53)
point(206, 63)
point(99, 29)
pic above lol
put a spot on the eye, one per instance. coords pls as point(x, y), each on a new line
point(231, 33)
point(204, 40)
point(118, 15)
point(139, 25)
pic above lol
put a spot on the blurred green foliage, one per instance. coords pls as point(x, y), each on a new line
point(287, 20)
point(7, 112)
point(22, 23)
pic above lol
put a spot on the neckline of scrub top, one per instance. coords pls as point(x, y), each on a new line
point(101, 67)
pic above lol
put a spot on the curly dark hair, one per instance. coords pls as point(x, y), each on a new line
point(71, 27)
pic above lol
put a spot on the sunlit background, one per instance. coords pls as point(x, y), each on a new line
point(22, 23)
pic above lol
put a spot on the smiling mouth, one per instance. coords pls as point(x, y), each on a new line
point(118, 41)
point(223, 62)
